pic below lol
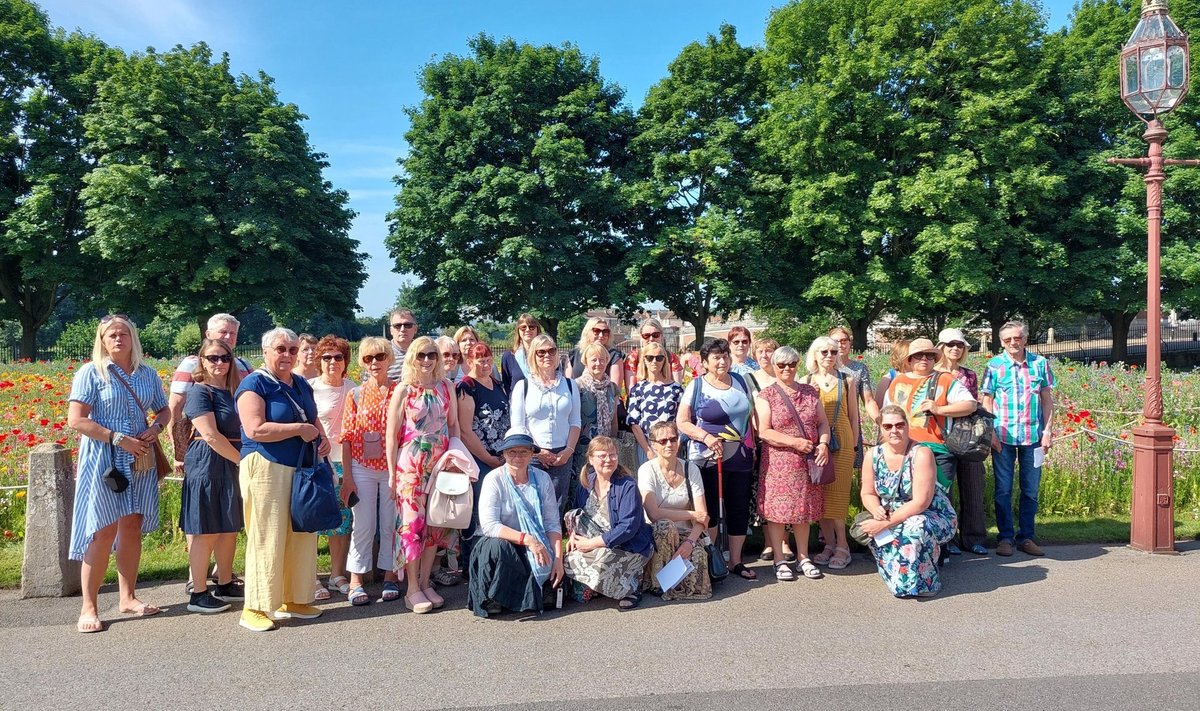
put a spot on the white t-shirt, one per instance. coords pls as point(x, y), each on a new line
point(651, 480)
point(330, 403)
point(182, 380)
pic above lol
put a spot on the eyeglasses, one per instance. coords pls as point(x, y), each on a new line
point(600, 331)
point(790, 364)
point(1012, 339)
point(455, 356)
point(527, 327)
point(656, 358)
point(740, 342)
point(921, 356)
point(545, 352)
point(668, 440)
point(290, 350)
point(519, 451)
point(651, 336)
point(956, 344)
point(828, 353)
point(427, 355)
point(843, 339)
point(603, 455)
point(333, 357)
point(214, 359)
point(889, 426)
point(403, 324)
point(376, 358)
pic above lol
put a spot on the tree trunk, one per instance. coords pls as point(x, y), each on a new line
point(996, 322)
point(550, 328)
point(1119, 322)
point(858, 332)
point(699, 324)
point(29, 340)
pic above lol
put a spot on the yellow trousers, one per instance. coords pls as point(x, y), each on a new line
point(281, 565)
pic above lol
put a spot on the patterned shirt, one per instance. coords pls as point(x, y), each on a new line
point(364, 423)
point(1017, 388)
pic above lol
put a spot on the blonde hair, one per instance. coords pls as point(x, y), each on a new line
point(232, 379)
point(587, 352)
point(100, 355)
point(375, 344)
point(539, 342)
point(462, 331)
point(643, 369)
point(811, 360)
point(523, 320)
point(899, 355)
point(411, 375)
point(601, 443)
point(586, 338)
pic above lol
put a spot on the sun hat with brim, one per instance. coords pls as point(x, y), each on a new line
point(951, 335)
point(518, 439)
point(922, 345)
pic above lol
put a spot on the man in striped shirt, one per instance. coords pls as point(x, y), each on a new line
point(1018, 388)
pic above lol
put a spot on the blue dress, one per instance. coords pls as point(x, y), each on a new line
point(211, 498)
point(97, 506)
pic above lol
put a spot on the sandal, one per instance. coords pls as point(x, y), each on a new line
point(823, 557)
point(767, 554)
point(321, 594)
point(743, 572)
point(630, 601)
point(783, 571)
point(839, 561)
point(88, 624)
point(359, 597)
point(391, 591)
point(340, 584)
point(808, 570)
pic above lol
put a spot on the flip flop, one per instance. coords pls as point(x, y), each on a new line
point(391, 591)
point(89, 624)
point(144, 611)
point(743, 572)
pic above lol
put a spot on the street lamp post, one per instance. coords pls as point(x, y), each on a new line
point(1154, 79)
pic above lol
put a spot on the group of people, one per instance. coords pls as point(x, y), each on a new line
point(749, 440)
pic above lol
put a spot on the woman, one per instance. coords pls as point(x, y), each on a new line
point(841, 414)
point(307, 366)
point(483, 404)
point(596, 330)
point(862, 375)
point(515, 364)
point(547, 406)
point(330, 389)
point(421, 420)
point(792, 424)
point(673, 497)
point(279, 428)
point(757, 380)
point(929, 397)
point(654, 397)
point(900, 491)
point(210, 509)
point(954, 347)
point(651, 332)
point(597, 401)
point(519, 549)
point(739, 346)
point(451, 357)
point(114, 499)
point(446, 570)
point(715, 413)
point(610, 541)
point(897, 358)
point(365, 473)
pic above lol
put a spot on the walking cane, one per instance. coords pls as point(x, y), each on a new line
point(722, 534)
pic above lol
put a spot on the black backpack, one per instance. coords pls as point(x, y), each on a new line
point(970, 437)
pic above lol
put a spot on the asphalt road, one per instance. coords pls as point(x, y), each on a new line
point(1085, 627)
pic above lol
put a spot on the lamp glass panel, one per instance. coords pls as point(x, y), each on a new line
point(1176, 66)
point(1154, 69)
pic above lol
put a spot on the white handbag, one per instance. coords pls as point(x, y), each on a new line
point(451, 501)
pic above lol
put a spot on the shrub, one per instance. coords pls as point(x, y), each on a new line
point(187, 340)
point(77, 339)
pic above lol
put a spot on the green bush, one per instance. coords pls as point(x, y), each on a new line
point(77, 339)
point(158, 337)
point(187, 341)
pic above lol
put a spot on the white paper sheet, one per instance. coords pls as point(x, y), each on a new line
point(673, 573)
point(884, 537)
point(1039, 457)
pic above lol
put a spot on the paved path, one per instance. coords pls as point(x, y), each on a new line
point(1085, 627)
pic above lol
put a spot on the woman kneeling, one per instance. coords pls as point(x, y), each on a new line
point(521, 543)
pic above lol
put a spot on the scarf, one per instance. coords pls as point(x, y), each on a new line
point(604, 404)
point(531, 523)
point(522, 360)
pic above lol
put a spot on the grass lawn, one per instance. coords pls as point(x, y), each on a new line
point(164, 558)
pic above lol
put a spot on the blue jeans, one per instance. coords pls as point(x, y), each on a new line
point(1004, 464)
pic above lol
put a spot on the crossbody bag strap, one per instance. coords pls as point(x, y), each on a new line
point(687, 480)
point(792, 407)
point(132, 417)
point(837, 409)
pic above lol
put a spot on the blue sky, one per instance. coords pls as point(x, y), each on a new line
point(352, 65)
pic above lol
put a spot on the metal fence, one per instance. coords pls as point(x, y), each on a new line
point(12, 354)
point(1092, 341)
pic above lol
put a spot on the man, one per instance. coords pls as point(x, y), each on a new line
point(1018, 388)
point(404, 330)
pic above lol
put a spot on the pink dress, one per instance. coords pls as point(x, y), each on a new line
point(424, 437)
point(786, 494)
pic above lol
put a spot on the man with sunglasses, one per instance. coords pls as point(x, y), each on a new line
point(1018, 387)
point(403, 326)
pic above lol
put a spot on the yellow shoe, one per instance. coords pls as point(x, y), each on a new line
point(256, 621)
point(298, 611)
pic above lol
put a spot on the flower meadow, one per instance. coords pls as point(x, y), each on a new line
point(1088, 472)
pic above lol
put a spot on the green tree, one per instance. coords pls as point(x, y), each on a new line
point(510, 196)
point(908, 135)
point(209, 198)
point(701, 242)
point(48, 81)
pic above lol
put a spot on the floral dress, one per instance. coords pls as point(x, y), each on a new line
point(424, 436)
point(908, 564)
point(612, 572)
point(786, 493)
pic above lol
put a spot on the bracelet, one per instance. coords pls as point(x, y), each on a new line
point(111, 433)
point(521, 540)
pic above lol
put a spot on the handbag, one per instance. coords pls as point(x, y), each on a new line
point(451, 501)
point(856, 531)
point(817, 473)
point(153, 458)
point(969, 437)
point(315, 505)
point(717, 568)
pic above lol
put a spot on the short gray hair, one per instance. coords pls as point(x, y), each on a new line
point(277, 333)
point(785, 354)
point(1015, 326)
point(217, 319)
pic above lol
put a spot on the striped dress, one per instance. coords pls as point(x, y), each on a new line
point(97, 506)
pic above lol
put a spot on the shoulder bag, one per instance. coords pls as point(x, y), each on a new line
point(817, 473)
point(969, 437)
point(154, 458)
point(717, 568)
point(450, 501)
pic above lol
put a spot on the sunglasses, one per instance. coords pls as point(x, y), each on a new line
point(649, 336)
point(455, 356)
point(656, 358)
point(427, 355)
point(666, 441)
point(740, 342)
point(828, 352)
point(922, 356)
point(527, 327)
point(110, 317)
point(956, 344)
point(333, 357)
point(214, 359)
point(889, 426)
point(600, 331)
point(545, 352)
point(290, 350)
point(403, 324)
point(376, 358)
point(790, 364)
